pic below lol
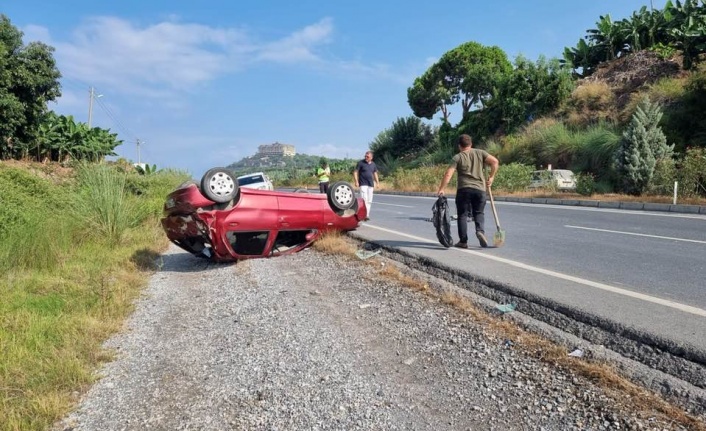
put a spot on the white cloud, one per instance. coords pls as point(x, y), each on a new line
point(112, 51)
point(160, 61)
point(299, 46)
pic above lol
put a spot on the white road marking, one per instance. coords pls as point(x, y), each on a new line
point(637, 234)
point(572, 208)
point(601, 286)
point(393, 205)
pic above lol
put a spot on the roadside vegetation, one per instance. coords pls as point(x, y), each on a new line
point(76, 247)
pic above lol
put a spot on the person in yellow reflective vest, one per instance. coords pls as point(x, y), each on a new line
point(323, 173)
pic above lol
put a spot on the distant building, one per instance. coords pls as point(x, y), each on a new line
point(276, 149)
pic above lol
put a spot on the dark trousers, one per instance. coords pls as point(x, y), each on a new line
point(323, 187)
point(470, 202)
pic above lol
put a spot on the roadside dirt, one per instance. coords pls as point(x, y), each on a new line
point(314, 341)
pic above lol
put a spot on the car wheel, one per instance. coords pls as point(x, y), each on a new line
point(219, 185)
point(341, 196)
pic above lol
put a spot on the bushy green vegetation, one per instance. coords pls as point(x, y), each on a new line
point(677, 26)
point(29, 79)
point(537, 114)
point(69, 272)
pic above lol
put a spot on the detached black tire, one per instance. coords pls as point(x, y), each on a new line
point(219, 185)
point(341, 196)
point(442, 221)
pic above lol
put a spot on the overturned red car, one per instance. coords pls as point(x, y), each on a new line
point(220, 221)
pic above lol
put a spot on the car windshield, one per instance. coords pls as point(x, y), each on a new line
point(252, 179)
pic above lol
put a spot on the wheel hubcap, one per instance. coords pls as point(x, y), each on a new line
point(343, 195)
point(221, 184)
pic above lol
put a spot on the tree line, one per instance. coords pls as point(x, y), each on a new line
point(29, 80)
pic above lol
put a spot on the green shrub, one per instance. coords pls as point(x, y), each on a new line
point(604, 187)
point(152, 189)
point(665, 174)
point(664, 52)
point(595, 151)
point(513, 177)
point(692, 174)
point(585, 184)
point(104, 203)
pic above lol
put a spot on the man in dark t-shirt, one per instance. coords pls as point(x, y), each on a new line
point(366, 177)
point(470, 191)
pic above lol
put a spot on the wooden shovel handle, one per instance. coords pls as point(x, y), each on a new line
point(492, 205)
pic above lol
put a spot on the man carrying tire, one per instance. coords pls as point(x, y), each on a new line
point(470, 191)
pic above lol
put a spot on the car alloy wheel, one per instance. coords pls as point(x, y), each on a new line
point(341, 195)
point(219, 185)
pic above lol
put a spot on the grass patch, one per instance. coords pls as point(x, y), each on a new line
point(66, 282)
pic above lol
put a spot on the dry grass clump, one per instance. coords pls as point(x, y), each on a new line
point(590, 102)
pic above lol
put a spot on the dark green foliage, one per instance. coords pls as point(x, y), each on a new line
point(513, 177)
point(692, 175)
point(429, 94)
point(28, 80)
point(665, 174)
point(684, 121)
point(60, 138)
point(469, 73)
point(146, 170)
point(406, 137)
point(585, 184)
point(679, 25)
point(596, 152)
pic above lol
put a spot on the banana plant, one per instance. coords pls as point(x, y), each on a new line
point(686, 26)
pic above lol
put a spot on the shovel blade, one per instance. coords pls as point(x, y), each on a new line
point(499, 238)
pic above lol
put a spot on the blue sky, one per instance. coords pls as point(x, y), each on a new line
point(203, 84)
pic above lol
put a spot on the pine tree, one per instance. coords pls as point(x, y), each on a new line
point(635, 158)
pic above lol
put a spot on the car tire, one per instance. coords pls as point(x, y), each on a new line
point(219, 185)
point(341, 196)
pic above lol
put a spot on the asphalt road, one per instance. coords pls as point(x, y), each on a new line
point(642, 270)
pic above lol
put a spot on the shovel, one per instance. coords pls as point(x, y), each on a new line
point(499, 236)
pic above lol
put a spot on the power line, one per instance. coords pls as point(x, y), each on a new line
point(119, 124)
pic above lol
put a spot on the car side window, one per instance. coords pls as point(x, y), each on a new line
point(248, 243)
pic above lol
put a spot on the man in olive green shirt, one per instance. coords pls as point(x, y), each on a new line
point(470, 191)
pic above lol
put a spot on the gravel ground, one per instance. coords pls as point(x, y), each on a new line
point(315, 342)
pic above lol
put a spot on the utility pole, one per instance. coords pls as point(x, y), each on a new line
point(91, 93)
point(138, 151)
point(91, 96)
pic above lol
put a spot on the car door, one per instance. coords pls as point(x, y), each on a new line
point(300, 211)
point(248, 229)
